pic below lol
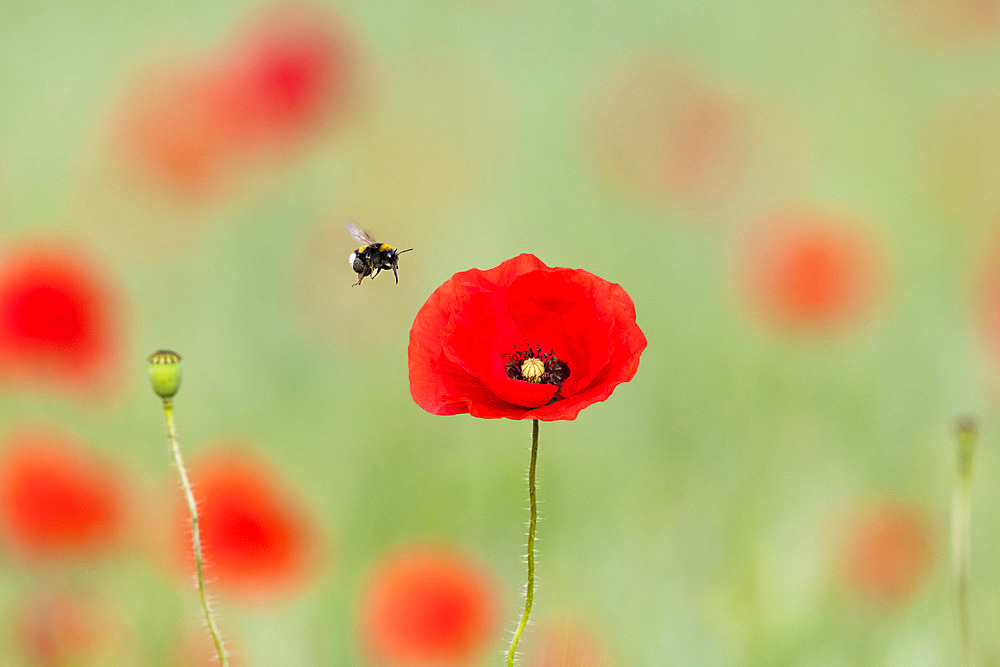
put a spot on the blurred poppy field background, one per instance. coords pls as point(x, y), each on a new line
point(802, 200)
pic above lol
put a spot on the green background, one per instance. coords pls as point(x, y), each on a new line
point(692, 518)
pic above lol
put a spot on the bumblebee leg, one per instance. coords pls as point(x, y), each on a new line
point(361, 277)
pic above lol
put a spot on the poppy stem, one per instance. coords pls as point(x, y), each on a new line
point(960, 532)
point(529, 595)
point(168, 411)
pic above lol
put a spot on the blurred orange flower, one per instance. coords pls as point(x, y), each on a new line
point(172, 132)
point(664, 131)
point(428, 605)
point(566, 644)
point(887, 552)
point(951, 21)
point(69, 628)
point(807, 270)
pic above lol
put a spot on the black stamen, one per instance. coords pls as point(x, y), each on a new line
point(556, 371)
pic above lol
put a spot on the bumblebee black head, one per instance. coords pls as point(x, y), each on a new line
point(395, 261)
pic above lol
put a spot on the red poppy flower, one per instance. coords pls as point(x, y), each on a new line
point(55, 499)
point(811, 271)
point(56, 317)
point(256, 540)
point(887, 552)
point(428, 606)
point(522, 341)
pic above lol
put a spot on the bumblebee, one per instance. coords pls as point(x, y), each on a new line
point(373, 256)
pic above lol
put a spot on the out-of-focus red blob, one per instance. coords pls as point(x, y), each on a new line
point(190, 128)
point(172, 131)
point(285, 75)
point(55, 499)
point(952, 21)
point(257, 541)
point(69, 629)
point(886, 552)
point(565, 644)
point(664, 131)
point(810, 270)
point(57, 318)
point(428, 605)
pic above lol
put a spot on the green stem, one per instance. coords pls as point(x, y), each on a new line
point(168, 411)
point(961, 533)
point(529, 596)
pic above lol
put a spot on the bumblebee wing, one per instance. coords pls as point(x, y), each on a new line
point(360, 235)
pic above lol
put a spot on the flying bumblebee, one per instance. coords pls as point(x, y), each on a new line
point(373, 256)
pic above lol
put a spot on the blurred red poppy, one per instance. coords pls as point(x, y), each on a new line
point(284, 75)
point(807, 270)
point(256, 539)
point(189, 127)
point(887, 552)
point(57, 317)
point(426, 605)
point(55, 499)
point(522, 341)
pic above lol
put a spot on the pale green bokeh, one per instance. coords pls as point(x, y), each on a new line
point(694, 518)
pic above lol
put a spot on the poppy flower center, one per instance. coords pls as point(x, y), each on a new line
point(533, 369)
point(533, 365)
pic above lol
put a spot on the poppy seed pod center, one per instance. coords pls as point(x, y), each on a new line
point(532, 369)
point(537, 367)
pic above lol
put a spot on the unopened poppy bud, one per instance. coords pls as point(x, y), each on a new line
point(966, 429)
point(532, 369)
point(165, 372)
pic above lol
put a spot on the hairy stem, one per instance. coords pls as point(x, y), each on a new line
point(529, 595)
point(168, 411)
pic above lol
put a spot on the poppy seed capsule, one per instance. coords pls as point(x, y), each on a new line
point(532, 369)
point(165, 372)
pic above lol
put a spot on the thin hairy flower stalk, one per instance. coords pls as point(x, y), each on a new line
point(961, 533)
point(168, 411)
point(530, 592)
